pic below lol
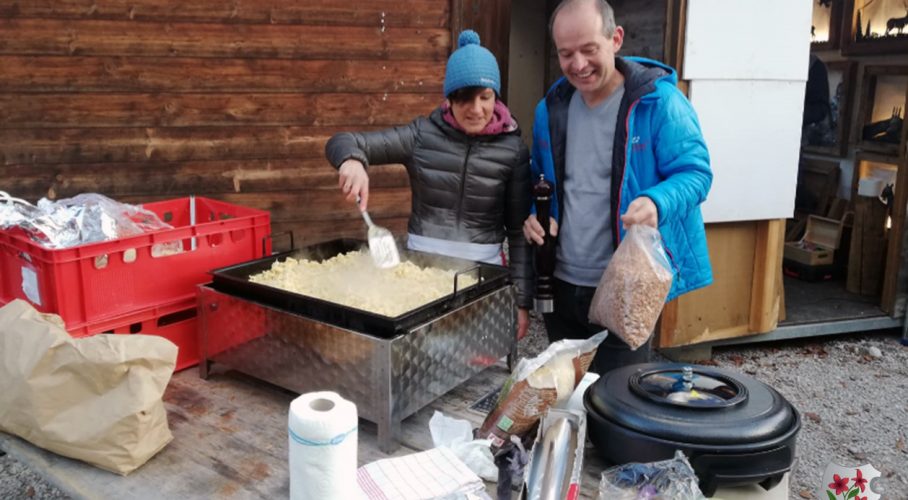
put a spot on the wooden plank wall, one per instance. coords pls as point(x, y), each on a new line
point(144, 100)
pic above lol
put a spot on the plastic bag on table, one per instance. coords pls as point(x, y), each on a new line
point(634, 286)
point(672, 479)
point(537, 384)
point(457, 435)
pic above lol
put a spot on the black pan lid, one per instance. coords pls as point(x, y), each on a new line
point(691, 403)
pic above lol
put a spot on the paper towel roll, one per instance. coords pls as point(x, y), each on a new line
point(323, 443)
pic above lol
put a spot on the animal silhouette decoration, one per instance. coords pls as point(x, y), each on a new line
point(887, 130)
point(898, 23)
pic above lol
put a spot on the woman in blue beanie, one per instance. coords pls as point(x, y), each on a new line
point(468, 168)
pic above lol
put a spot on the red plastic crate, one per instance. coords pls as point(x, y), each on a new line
point(108, 281)
point(176, 322)
point(138, 321)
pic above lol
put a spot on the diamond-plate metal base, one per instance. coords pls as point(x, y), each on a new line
point(387, 379)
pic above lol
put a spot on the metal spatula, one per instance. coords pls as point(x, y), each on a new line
point(381, 243)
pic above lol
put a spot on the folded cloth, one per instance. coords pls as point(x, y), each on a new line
point(430, 474)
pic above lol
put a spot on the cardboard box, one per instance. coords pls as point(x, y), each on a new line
point(817, 247)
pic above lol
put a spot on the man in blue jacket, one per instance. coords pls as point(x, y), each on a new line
point(623, 146)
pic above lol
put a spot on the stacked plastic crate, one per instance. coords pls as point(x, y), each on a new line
point(140, 284)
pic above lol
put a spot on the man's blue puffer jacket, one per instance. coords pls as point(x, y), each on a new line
point(659, 152)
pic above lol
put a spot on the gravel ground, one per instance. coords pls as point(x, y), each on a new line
point(18, 482)
point(851, 390)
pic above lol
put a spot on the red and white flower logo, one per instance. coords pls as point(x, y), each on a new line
point(849, 483)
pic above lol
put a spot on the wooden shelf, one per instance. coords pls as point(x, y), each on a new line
point(887, 83)
point(854, 38)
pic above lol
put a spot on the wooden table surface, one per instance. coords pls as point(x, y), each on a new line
point(230, 441)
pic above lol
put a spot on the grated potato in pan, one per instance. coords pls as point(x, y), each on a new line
point(352, 279)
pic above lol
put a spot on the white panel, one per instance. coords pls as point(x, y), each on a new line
point(753, 131)
point(747, 39)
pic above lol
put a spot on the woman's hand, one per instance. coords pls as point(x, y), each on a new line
point(532, 229)
point(523, 322)
point(354, 181)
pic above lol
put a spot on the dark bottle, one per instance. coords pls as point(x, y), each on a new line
point(545, 254)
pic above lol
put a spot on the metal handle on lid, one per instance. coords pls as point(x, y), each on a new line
point(464, 271)
point(271, 237)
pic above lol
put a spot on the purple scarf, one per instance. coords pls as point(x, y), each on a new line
point(501, 120)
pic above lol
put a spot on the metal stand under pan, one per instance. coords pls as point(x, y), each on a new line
point(388, 379)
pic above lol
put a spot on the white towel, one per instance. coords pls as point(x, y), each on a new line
point(429, 474)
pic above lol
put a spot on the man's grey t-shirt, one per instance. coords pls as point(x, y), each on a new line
point(585, 234)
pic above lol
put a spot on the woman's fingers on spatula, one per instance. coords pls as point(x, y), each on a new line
point(364, 198)
point(354, 182)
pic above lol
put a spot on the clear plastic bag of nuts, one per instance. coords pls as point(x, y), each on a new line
point(633, 288)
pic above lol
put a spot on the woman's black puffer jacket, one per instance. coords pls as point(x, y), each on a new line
point(465, 188)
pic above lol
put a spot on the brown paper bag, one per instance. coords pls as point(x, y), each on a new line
point(96, 399)
point(535, 385)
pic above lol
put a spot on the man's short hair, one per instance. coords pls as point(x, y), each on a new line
point(605, 11)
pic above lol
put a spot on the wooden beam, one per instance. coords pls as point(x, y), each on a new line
point(458, 21)
point(894, 257)
point(675, 30)
point(101, 145)
point(353, 110)
point(766, 289)
point(867, 253)
point(667, 327)
point(307, 206)
point(32, 182)
point(281, 41)
point(415, 13)
point(180, 74)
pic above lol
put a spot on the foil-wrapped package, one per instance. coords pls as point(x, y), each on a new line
point(14, 211)
point(85, 218)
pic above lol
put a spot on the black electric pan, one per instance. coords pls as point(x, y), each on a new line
point(234, 280)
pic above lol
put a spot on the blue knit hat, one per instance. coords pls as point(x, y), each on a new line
point(471, 65)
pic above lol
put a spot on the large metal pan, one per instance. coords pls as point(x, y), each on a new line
point(235, 280)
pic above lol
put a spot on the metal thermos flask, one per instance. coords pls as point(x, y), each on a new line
point(545, 253)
